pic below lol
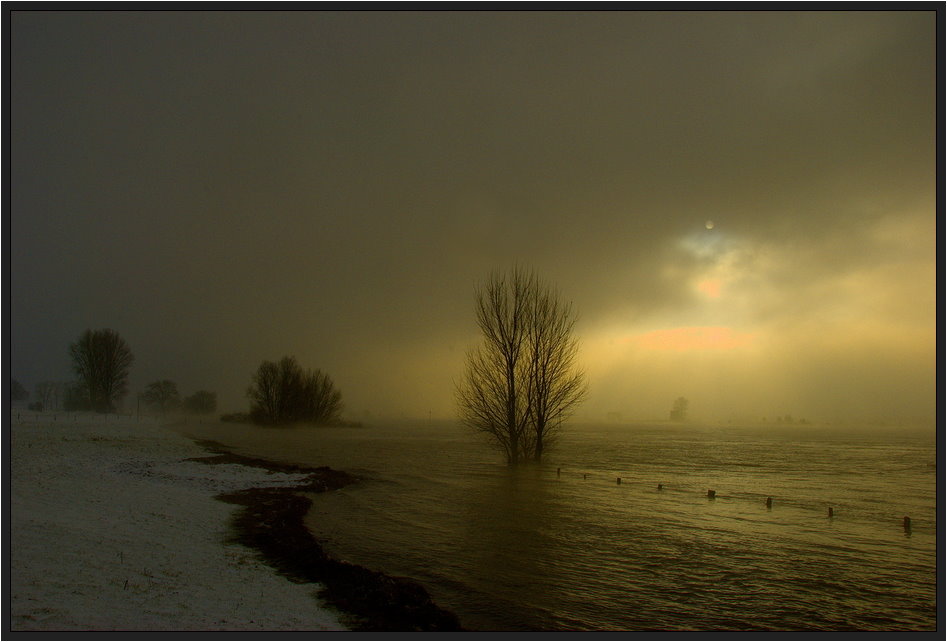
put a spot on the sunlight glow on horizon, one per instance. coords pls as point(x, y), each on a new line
point(693, 338)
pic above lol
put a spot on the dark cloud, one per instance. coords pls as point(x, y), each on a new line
point(224, 187)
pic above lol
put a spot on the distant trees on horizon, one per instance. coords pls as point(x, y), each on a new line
point(521, 381)
point(75, 398)
point(102, 361)
point(18, 392)
point(162, 395)
point(47, 394)
point(679, 409)
point(202, 402)
point(54, 395)
point(283, 393)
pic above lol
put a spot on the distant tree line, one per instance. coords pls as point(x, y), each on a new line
point(679, 409)
point(101, 361)
point(17, 391)
point(280, 392)
point(162, 396)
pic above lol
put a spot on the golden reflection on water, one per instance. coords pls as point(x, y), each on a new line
point(528, 548)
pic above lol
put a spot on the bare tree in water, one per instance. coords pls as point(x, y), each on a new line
point(520, 383)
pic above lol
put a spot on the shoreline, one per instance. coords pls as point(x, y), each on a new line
point(270, 521)
point(112, 528)
point(125, 524)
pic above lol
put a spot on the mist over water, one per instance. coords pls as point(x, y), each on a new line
point(533, 549)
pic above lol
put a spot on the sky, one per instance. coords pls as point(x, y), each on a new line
point(740, 206)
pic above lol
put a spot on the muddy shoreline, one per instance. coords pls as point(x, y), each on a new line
point(270, 521)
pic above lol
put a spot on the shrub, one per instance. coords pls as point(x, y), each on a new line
point(283, 393)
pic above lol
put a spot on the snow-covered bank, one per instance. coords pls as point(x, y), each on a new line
point(111, 529)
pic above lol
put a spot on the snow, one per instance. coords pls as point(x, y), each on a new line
point(112, 530)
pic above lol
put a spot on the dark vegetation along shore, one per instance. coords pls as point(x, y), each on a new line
point(271, 522)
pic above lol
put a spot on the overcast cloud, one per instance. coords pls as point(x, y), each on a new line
point(223, 188)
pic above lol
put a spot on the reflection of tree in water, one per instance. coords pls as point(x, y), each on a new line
point(509, 521)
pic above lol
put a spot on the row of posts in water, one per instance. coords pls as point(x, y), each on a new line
point(712, 494)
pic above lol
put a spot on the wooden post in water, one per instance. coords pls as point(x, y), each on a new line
point(660, 486)
point(711, 494)
point(584, 475)
point(618, 481)
point(769, 502)
point(830, 512)
point(907, 524)
point(558, 470)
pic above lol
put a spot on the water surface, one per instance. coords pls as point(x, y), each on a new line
point(565, 546)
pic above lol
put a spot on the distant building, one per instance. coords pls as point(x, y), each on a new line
point(679, 409)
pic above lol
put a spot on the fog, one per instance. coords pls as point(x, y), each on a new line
point(741, 206)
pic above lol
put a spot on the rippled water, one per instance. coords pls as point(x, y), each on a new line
point(565, 546)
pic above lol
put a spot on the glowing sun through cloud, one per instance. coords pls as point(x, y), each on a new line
point(694, 338)
point(710, 287)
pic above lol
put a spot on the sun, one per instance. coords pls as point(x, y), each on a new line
point(710, 287)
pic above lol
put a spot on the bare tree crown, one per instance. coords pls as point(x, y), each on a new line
point(102, 361)
point(283, 393)
point(521, 382)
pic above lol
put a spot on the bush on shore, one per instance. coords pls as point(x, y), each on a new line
point(283, 393)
